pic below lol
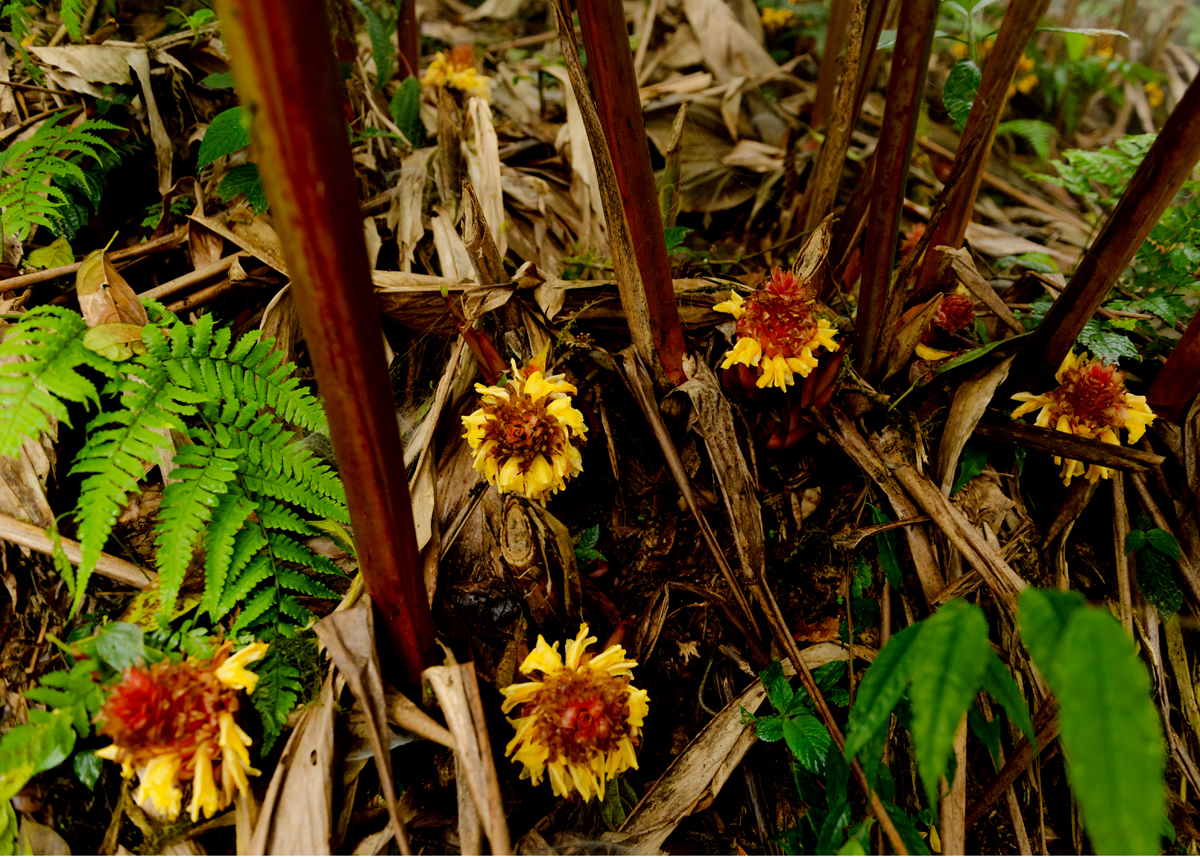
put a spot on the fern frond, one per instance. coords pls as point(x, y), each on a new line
point(229, 518)
point(264, 600)
point(72, 17)
point(261, 482)
point(28, 196)
point(287, 549)
point(256, 571)
point(276, 517)
point(299, 582)
point(39, 363)
point(118, 445)
point(271, 449)
point(276, 694)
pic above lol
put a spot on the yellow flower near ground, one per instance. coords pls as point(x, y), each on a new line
point(773, 19)
point(580, 720)
point(524, 434)
point(170, 721)
point(778, 331)
point(1090, 401)
point(1154, 94)
point(457, 72)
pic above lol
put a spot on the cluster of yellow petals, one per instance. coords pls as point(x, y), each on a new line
point(159, 776)
point(1057, 410)
point(1154, 94)
point(457, 74)
point(533, 453)
point(775, 18)
point(777, 369)
point(1027, 81)
point(545, 713)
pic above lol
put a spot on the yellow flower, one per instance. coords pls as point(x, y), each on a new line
point(457, 72)
point(233, 672)
point(1090, 401)
point(778, 331)
point(579, 720)
point(1154, 94)
point(774, 19)
point(168, 722)
point(524, 434)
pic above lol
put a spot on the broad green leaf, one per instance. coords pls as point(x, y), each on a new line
point(87, 767)
point(882, 686)
point(779, 691)
point(913, 841)
point(769, 728)
point(53, 255)
point(830, 839)
point(1110, 734)
point(405, 108)
point(674, 236)
point(808, 739)
point(998, 682)
point(220, 80)
point(1102, 342)
point(1164, 542)
point(1043, 615)
point(380, 32)
point(225, 135)
point(974, 460)
point(948, 663)
point(244, 178)
point(1135, 541)
point(888, 555)
point(959, 92)
point(120, 645)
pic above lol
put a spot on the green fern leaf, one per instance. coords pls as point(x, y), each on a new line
point(229, 518)
point(276, 517)
point(72, 16)
point(118, 445)
point(261, 482)
point(298, 582)
point(276, 694)
point(39, 363)
point(256, 571)
point(28, 196)
point(256, 608)
point(287, 549)
point(202, 474)
point(271, 449)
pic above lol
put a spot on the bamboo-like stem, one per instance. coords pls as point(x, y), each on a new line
point(827, 76)
point(1162, 172)
point(284, 66)
point(634, 221)
point(906, 86)
point(408, 34)
point(1020, 22)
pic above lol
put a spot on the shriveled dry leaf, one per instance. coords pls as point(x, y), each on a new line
point(38, 839)
point(970, 401)
point(728, 49)
point(483, 165)
point(104, 296)
point(93, 63)
point(909, 335)
point(404, 213)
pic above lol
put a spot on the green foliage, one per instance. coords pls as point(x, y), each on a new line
point(244, 178)
point(958, 95)
point(227, 133)
point(1110, 730)
point(1100, 177)
point(1157, 552)
point(276, 694)
point(218, 80)
point(585, 546)
point(1038, 134)
point(1106, 343)
point(405, 108)
point(242, 488)
point(974, 460)
point(380, 32)
point(72, 17)
point(32, 170)
point(947, 660)
point(889, 557)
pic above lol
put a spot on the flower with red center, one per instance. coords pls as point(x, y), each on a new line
point(778, 331)
point(580, 719)
point(524, 433)
point(174, 723)
point(1090, 401)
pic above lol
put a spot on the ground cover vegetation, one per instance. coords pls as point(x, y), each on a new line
point(804, 377)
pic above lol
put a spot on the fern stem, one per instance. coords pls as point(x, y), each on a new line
point(287, 77)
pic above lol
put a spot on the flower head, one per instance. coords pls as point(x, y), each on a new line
point(173, 723)
point(457, 71)
point(778, 331)
point(773, 19)
point(580, 719)
point(1154, 94)
point(1090, 401)
point(524, 433)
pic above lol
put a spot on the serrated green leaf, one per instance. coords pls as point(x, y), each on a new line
point(120, 645)
point(1164, 542)
point(1043, 615)
point(808, 739)
point(226, 134)
point(380, 31)
point(1110, 734)
point(244, 178)
point(958, 95)
point(881, 688)
point(1102, 342)
point(769, 728)
point(948, 662)
point(405, 108)
point(779, 690)
point(1038, 134)
point(1156, 579)
point(1135, 541)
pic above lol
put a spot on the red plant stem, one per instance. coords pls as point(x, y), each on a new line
point(408, 32)
point(827, 76)
point(1179, 380)
point(1162, 172)
point(283, 62)
point(906, 86)
point(614, 85)
point(1020, 22)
